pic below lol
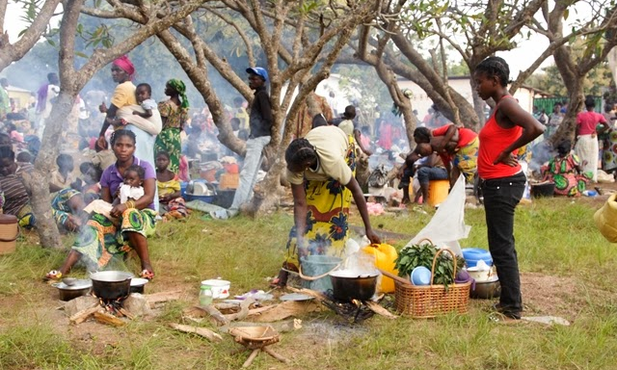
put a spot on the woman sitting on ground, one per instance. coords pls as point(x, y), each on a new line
point(15, 182)
point(100, 240)
point(320, 169)
point(565, 171)
point(172, 205)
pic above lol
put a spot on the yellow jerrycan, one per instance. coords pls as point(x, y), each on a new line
point(385, 255)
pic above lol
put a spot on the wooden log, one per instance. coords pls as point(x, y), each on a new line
point(244, 310)
point(206, 333)
point(286, 309)
point(218, 317)
point(375, 307)
point(313, 293)
point(274, 354)
point(126, 313)
point(105, 318)
point(260, 310)
point(227, 308)
point(160, 297)
point(252, 356)
point(84, 314)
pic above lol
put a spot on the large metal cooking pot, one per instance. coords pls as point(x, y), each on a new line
point(348, 285)
point(76, 289)
point(110, 285)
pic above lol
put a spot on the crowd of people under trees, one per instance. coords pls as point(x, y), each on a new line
point(123, 164)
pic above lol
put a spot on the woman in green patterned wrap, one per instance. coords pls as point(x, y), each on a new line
point(174, 113)
point(101, 239)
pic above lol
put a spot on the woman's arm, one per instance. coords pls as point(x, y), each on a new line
point(300, 211)
point(519, 117)
point(147, 113)
point(109, 119)
point(106, 194)
point(440, 144)
point(141, 203)
point(358, 197)
point(358, 137)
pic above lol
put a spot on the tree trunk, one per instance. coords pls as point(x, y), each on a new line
point(40, 200)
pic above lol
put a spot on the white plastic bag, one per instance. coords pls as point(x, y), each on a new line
point(447, 226)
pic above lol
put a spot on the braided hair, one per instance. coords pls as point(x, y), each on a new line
point(495, 67)
point(299, 151)
point(121, 133)
point(422, 135)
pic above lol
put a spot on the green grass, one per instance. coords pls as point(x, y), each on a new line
point(555, 238)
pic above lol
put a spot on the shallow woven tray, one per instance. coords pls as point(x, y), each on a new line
point(254, 333)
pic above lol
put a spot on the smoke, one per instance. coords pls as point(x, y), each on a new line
point(541, 153)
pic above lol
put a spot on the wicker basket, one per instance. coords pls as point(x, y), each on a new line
point(427, 301)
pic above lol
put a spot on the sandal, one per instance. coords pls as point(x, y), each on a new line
point(53, 275)
point(280, 281)
point(146, 274)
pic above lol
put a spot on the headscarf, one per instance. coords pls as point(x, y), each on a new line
point(126, 65)
point(180, 88)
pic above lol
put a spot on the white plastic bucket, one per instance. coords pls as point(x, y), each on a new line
point(219, 287)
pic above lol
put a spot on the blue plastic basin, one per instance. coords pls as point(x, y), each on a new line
point(473, 255)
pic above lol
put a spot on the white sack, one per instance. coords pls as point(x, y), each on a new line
point(448, 224)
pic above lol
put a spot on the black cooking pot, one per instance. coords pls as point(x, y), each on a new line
point(110, 285)
point(347, 285)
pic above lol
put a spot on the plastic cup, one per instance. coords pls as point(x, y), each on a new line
point(420, 276)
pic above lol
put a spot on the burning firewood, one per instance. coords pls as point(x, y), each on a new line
point(105, 318)
point(83, 315)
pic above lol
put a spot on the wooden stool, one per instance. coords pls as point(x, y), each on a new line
point(257, 338)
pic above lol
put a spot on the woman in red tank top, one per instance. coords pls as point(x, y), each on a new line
point(503, 181)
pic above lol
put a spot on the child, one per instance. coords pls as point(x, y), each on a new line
point(62, 178)
point(130, 191)
point(24, 157)
point(89, 184)
point(168, 184)
point(143, 93)
point(104, 156)
point(149, 120)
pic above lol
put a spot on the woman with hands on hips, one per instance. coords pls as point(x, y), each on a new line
point(502, 179)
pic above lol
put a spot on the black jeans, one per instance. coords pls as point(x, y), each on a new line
point(500, 199)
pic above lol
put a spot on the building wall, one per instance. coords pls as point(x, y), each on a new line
point(421, 102)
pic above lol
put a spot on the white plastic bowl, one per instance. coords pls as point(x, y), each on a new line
point(482, 275)
point(219, 287)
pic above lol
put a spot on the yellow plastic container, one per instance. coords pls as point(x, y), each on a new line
point(385, 255)
point(437, 191)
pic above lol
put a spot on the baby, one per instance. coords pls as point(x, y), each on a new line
point(132, 188)
point(150, 119)
point(130, 191)
point(143, 93)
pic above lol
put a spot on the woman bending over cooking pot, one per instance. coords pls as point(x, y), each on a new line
point(320, 168)
point(101, 239)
